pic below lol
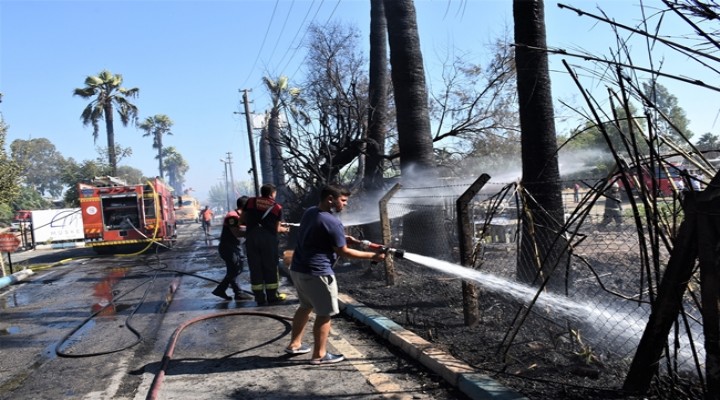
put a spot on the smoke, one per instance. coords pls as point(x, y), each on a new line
point(364, 208)
point(421, 187)
point(581, 160)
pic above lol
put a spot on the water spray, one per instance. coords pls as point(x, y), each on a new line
point(381, 248)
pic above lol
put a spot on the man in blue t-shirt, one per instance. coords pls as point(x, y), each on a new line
point(321, 240)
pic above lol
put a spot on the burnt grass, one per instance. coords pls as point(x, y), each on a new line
point(544, 360)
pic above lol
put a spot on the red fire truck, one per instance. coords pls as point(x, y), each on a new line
point(666, 179)
point(119, 217)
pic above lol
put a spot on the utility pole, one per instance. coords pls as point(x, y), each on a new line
point(232, 177)
point(227, 190)
point(251, 141)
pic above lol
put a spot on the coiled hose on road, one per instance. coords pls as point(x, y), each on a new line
point(154, 390)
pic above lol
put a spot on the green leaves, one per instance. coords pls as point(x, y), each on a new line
point(108, 95)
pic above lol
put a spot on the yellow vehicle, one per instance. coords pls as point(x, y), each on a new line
point(188, 210)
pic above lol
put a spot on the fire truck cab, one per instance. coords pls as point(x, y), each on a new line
point(118, 217)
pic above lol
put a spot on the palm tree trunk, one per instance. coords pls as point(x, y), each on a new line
point(160, 158)
point(420, 227)
point(110, 129)
point(378, 91)
point(265, 161)
point(408, 78)
point(540, 170)
point(278, 166)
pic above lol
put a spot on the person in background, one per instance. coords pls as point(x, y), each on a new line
point(613, 205)
point(697, 181)
point(576, 192)
point(321, 240)
point(262, 216)
point(206, 216)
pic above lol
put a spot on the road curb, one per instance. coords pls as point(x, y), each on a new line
point(459, 374)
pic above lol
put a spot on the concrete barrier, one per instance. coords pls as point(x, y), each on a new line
point(16, 277)
point(472, 383)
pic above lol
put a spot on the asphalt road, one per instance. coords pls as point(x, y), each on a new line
point(146, 326)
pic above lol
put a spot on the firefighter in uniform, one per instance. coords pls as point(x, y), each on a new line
point(613, 206)
point(231, 249)
point(262, 216)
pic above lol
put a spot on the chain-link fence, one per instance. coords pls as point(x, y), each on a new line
point(587, 308)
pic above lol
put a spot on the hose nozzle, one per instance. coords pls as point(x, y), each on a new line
point(397, 253)
point(381, 248)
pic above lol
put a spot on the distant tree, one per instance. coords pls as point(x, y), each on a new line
point(708, 142)
point(131, 175)
point(676, 124)
point(30, 199)
point(41, 165)
point(9, 170)
point(106, 93)
point(75, 173)
point(121, 153)
point(6, 214)
point(618, 130)
point(217, 194)
point(176, 167)
point(157, 126)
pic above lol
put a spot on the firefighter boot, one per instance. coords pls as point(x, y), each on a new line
point(220, 292)
point(275, 297)
point(260, 297)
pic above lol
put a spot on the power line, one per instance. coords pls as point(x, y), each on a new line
point(298, 32)
point(290, 46)
point(281, 31)
point(303, 38)
point(272, 17)
point(324, 25)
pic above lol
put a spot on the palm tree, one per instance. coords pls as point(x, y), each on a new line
point(413, 121)
point(408, 79)
point(540, 170)
point(107, 93)
point(282, 97)
point(378, 91)
point(157, 126)
point(176, 167)
point(266, 166)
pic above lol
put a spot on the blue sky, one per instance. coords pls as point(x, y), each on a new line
point(190, 58)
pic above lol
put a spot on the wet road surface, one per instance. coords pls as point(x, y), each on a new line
point(101, 327)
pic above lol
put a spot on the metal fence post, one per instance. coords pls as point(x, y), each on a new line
point(466, 233)
point(387, 233)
